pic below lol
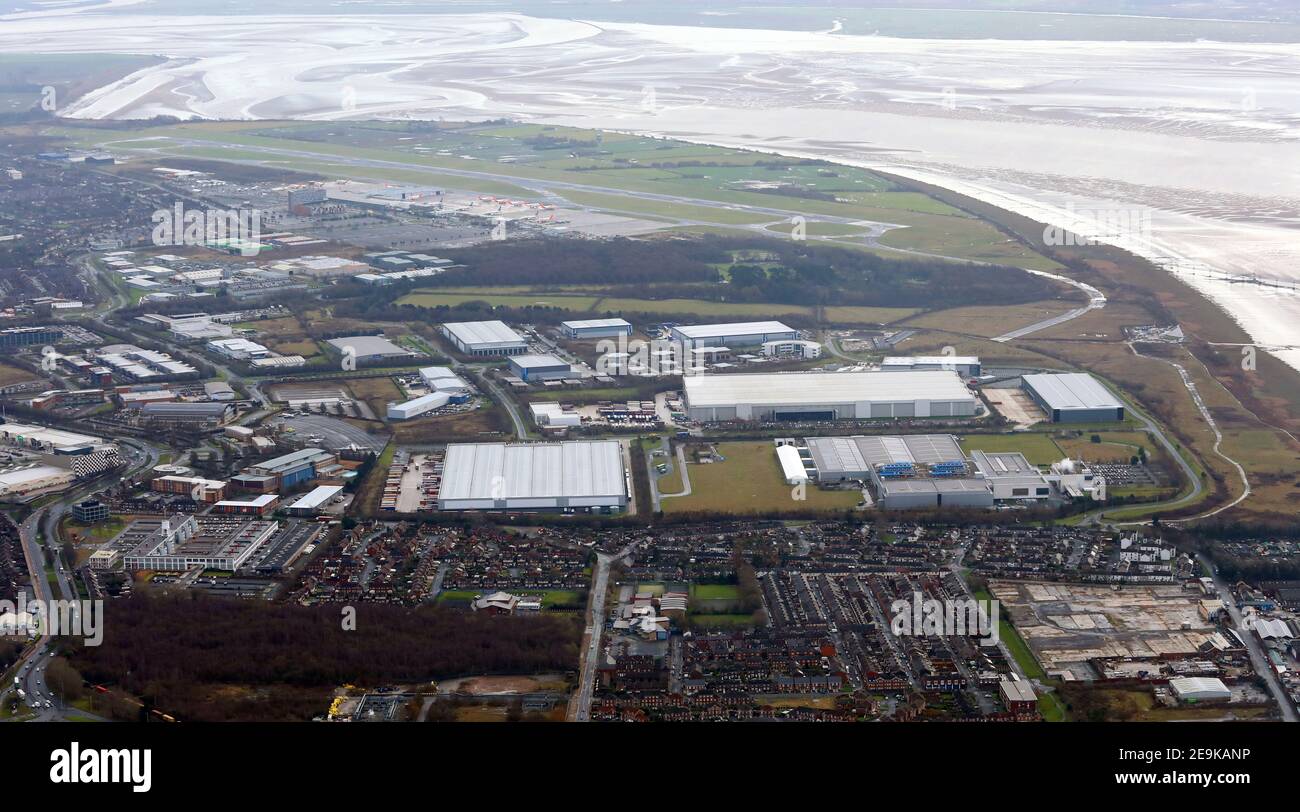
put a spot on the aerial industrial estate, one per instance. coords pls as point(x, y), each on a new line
point(474, 419)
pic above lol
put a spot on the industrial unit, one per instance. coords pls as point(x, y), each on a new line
point(484, 338)
point(418, 406)
point(286, 471)
point(49, 440)
point(552, 415)
point(1074, 397)
point(733, 334)
point(931, 471)
point(1200, 689)
point(193, 414)
point(827, 396)
point(539, 368)
point(311, 503)
point(1011, 475)
point(442, 379)
point(968, 366)
point(596, 328)
point(840, 458)
point(369, 349)
point(580, 474)
point(905, 472)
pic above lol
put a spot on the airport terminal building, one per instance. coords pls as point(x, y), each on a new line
point(580, 475)
point(807, 396)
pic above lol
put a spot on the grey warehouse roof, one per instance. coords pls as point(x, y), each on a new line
point(533, 470)
point(1073, 390)
point(851, 454)
point(545, 361)
point(799, 388)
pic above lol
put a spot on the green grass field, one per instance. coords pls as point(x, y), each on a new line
point(1037, 447)
point(749, 480)
point(715, 592)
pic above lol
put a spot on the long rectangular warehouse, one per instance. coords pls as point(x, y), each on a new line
point(582, 474)
point(733, 334)
point(827, 396)
point(484, 338)
point(1074, 397)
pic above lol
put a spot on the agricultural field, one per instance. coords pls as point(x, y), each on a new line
point(746, 480)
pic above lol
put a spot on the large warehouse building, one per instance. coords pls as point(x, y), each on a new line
point(827, 396)
point(533, 368)
point(734, 334)
point(442, 379)
point(586, 475)
point(926, 471)
point(1074, 397)
point(369, 349)
point(965, 365)
point(418, 406)
point(50, 440)
point(484, 338)
point(596, 328)
point(916, 471)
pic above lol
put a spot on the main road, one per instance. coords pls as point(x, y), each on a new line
point(44, 523)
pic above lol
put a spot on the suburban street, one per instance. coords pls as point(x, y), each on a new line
point(580, 709)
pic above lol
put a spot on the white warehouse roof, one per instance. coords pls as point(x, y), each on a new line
point(798, 388)
point(1073, 390)
point(1199, 688)
point(738, 328)
point(929, 360)
point(483, 332)
point(533, 471)
point(318, 496)
point(592, 324)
